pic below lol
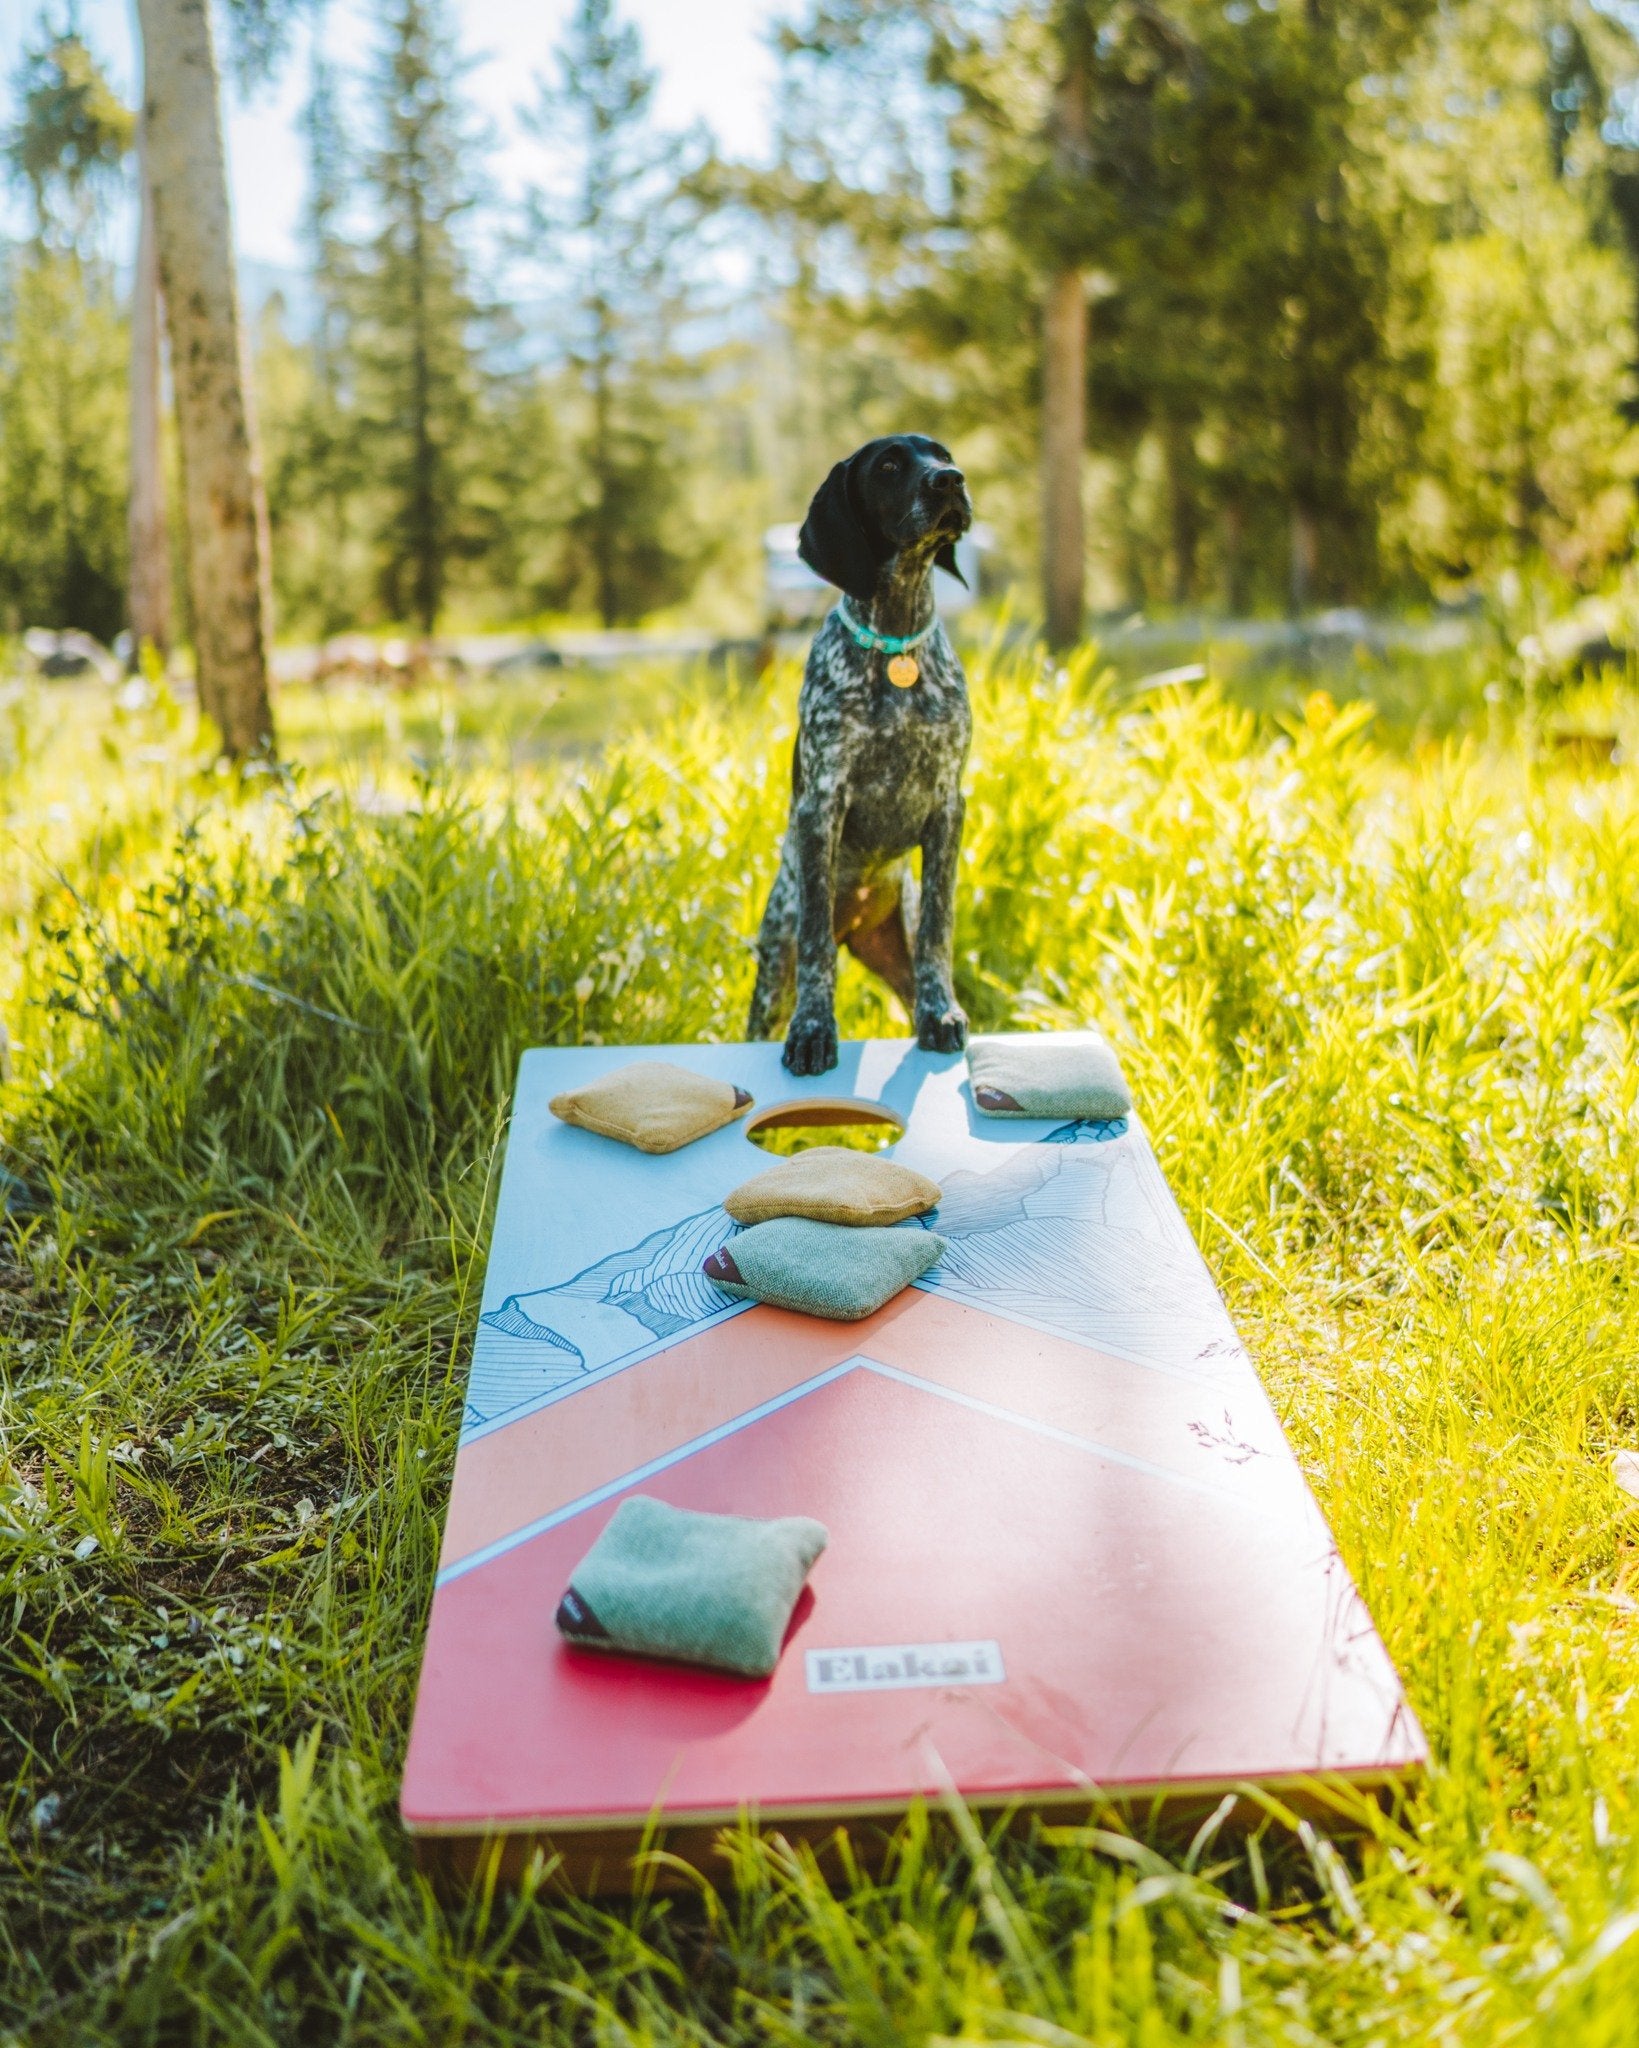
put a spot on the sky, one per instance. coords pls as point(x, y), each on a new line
point(712, 56)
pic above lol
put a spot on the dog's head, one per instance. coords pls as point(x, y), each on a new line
point(902, 495)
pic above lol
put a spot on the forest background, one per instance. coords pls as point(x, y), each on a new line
point(1359, 282)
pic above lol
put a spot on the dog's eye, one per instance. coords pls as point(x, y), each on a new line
point(891, 465)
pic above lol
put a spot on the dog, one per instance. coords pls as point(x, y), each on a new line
point(883, 726)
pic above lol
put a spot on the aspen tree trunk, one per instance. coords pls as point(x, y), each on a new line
point(1064, 366)
point(222, 480)
point(150, 595)
point(1063, 432)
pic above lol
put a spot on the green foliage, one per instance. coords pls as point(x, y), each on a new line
point(70, 137)
point(63, 403)
point(616, 229)
point(316, 467)
point(445, 447)
point(1344, 260)
point(1529, 455)
point(415, 318)
point(1377, 1004)
point(63, 438)
point(1532, 367)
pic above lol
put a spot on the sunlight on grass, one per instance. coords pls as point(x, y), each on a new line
point(1377, 1002)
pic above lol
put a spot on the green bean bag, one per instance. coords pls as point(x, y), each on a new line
point(1057, 1073)
point(701, 1589)
point(823, 1269)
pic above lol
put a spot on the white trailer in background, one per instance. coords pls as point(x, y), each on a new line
point(793, 596)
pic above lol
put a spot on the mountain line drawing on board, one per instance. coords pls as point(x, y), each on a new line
point(1075, 1234)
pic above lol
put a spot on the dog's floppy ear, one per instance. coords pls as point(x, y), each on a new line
point(946, 560)
point(833, 541)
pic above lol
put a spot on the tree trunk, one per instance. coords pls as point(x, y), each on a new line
point(150, 595)
point(603, 464)
point(1234, 551)
point(1063, 434)
point(427, 570)
point(1305, 556)
point(1064, 355)
point(1183, 506)
point(222, 479)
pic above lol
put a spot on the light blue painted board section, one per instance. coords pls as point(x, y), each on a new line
point(595, 1261)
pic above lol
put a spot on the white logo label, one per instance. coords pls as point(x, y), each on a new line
point(891, 1667)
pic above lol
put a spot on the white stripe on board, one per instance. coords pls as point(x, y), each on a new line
point(1060, 1436)
point(859, 1362)
point(503, 1544)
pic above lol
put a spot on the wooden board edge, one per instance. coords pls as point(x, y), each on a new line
point(614, 1859)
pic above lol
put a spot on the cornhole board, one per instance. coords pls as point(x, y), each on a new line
point(1072, 1555)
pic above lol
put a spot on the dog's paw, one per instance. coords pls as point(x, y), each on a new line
point(810, 1045)
point(942, 1030)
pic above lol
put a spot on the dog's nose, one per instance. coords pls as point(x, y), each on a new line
point(949, 481)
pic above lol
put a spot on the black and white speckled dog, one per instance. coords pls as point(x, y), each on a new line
point(882, 734)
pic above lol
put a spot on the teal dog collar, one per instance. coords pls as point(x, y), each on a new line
point(881, 643)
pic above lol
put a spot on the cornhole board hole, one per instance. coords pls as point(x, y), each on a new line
point(1071, 1552)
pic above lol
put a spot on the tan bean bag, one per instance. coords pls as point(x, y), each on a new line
point(653, 1105)
point(834, 1185)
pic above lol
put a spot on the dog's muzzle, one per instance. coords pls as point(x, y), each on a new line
point(945, 493)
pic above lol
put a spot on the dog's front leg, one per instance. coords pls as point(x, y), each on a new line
point(941, 1022)
point(811, 1042)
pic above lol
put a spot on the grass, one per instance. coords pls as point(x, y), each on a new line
point(1377, 999)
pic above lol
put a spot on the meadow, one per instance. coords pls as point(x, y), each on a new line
point(1375, 988)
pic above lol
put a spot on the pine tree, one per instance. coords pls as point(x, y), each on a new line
point(62, 430)
point(416, 320)
point(62, 447)
point(1155, 231)
point(316, 466)
point(616, 223)
point(1049, 169)
point(329, 163)
point(69, 141)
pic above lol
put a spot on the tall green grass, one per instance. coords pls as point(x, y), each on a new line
point(1378, 1008)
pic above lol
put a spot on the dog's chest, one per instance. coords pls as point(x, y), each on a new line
point(892, 755)
point(907, 769)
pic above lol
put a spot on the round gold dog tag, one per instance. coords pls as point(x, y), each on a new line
point(903, 671)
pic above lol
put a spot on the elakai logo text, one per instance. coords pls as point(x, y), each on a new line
point(891, 1667)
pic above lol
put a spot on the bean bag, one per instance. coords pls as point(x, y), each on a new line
point(1070, 1074)
point(701, 1589)
point(837, 1270)
point(831, 1184)
point(652, 1104)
